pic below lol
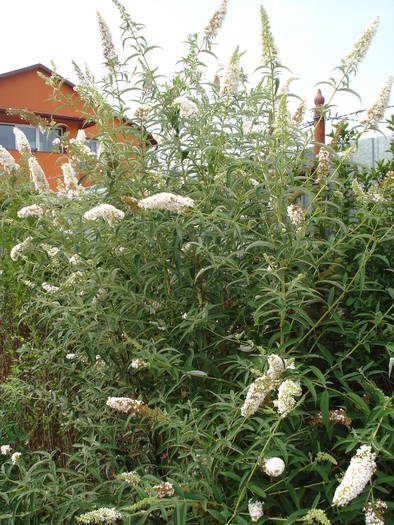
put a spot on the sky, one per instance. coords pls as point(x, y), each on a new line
point(312, 36)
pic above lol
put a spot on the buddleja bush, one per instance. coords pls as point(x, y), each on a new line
point(203, 335)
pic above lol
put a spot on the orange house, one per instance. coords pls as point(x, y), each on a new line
point(23, 89)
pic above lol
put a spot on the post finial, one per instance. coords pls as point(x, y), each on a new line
point(319, 99)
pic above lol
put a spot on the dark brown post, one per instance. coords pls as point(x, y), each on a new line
point(319, 123)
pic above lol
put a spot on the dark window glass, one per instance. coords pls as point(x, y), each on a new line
point(31, 136)
point(92, 145)
point(46, 139)
point(7, 139)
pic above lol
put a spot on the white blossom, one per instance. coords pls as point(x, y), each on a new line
point(255, 509)
point(132, 478)
point(38, 176)
point(374, 514)
point(216, 21)
point(107, 42)
point(15, 457)
point(102, 515)
point(125, 404)
point(71, 182)
point(70, 357)
point(261, 387)
point(142, 111)
point(299, 112)
point(21, 142)
point(273, 467)
point(296, 215)
point(269, 49)
point(323, 166)
point(50, 288)
point(164, 489)
point(187, 108)
point(166, 201)
point(18, 249)
point(360, 47)
point(52, 251)
point(231, 76)
point(104, 211)
point(376, 112)
point(75, 259)
point(34, 210)
point(5, 449)
point(359, 472)
point(7, 160)
point(138, 363)
point(287, 391)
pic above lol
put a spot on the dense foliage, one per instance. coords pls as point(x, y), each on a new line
point(272, 268)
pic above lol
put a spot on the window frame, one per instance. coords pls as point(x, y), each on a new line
point(37, 129)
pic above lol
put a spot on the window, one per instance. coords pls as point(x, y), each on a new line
point(38, 140)
point(93, 146)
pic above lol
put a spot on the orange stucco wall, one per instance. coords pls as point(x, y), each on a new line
point(26, 90)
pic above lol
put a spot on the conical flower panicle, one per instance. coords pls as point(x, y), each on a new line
point(216, 21)
point(109, 52)
point(360, 47)
point(231, 75)
point(376, 112)
point(269, 49)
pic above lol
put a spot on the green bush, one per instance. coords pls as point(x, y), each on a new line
point(270, 269)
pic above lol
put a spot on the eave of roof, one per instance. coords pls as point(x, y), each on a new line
point(33, 67)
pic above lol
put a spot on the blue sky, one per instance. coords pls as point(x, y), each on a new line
point(312, 36)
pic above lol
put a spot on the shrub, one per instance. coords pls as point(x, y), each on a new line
point(207, 326)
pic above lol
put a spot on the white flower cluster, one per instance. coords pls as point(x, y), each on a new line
point(5, 450)
point(138, 363)
point(231, 76)
point(52, 251)
point(164, 489)
point(142, 111)
point(132, 478)
point(255, 509)
point(18, 249)
point(50, 288)
point(38, 176)
point(15, 458)
point(287, 392)
point(316, 516)
point(374, 514)
point(104, 211)
point(71, 357)
point(102, 515)
point(70, 179)
point(107, 42)
point(21, 142)
point(273, 467)
point(216, 21)
point(376, 112)
point(359, 472)
point(7, 160)
point(166, 201)
point(323, 166)
point(75, 259)
point(360, 47)
point(187, 108)
point(372, 196)
point(261, 387)
point(269, 50)
point(126, 405)
point(296, 215)
point(34, 210)
point(299, 113)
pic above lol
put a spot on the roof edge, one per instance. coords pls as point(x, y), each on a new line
point(31, 68)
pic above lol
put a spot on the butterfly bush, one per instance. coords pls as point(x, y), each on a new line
point(198, 318)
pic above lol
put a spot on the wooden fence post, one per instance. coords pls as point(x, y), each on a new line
point(319, 122)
